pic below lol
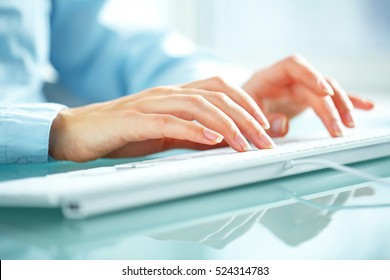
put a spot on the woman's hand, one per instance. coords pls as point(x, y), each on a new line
point(292, 85)
point(159, 119)
point(202, 114)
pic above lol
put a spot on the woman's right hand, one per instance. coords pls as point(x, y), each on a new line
point(196, 115)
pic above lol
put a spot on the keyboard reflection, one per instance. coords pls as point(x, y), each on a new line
point(191, 227)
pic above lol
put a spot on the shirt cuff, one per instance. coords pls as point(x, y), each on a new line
point(25, 131)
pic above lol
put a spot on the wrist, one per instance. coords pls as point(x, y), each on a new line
point(55, 139)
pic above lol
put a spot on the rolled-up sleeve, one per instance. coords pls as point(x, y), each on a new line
point(24, 130)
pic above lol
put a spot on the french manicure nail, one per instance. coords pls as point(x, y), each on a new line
point(279, 126)
point(348, 118)
point(326, 87)
point(244, 144)
point(266, 141)
point(336, 127)
point(260, 117)
point(212, 135)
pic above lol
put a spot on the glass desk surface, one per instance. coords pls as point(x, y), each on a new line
point(246, 222)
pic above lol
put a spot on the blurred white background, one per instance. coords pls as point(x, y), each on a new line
point(347, 39)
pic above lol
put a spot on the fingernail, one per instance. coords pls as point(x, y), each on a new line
point(212, 135)
point(369, 103)
point(260, 117)
point(336, 127)
point(349, 120)
point(326, 88)
point(266, 141)
point(279, 126)
point(244, 144)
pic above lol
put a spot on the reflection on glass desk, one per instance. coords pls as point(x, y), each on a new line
point(247, 222)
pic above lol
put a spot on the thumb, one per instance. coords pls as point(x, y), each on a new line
point(279, 125)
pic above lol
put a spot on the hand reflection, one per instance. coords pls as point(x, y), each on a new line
point(216, 234)
point(293, 224)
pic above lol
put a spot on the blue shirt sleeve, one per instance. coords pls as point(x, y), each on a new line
point(25, 119)
point(24, 130)
point(100, 64)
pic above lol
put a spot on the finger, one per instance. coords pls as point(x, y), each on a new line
point(248, 126)
point(360, 103)
point(343, 104)
point(245, 122)
point(325, 109)
point(156, 126)
point(195, 107)
point(296, 69)
point(238, 95)
point(279, 125)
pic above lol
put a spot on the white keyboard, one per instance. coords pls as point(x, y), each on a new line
point(285, 148)
point(211, 160)
point(99, 190)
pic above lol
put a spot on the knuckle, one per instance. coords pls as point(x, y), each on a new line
point(221, 96)
point(158, 89)
point(247, 100)
point(296, 58)
point(218, 81)
point(332, 81)
point(162, 90)
point(196, 100)
point(164, 120)
point(251, 121)
point(127, 113)
point(228, 123)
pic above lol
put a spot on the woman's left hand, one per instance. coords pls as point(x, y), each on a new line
point(290, 86)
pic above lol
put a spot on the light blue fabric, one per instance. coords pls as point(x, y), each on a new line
point(25, 130)
point(92, 61)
